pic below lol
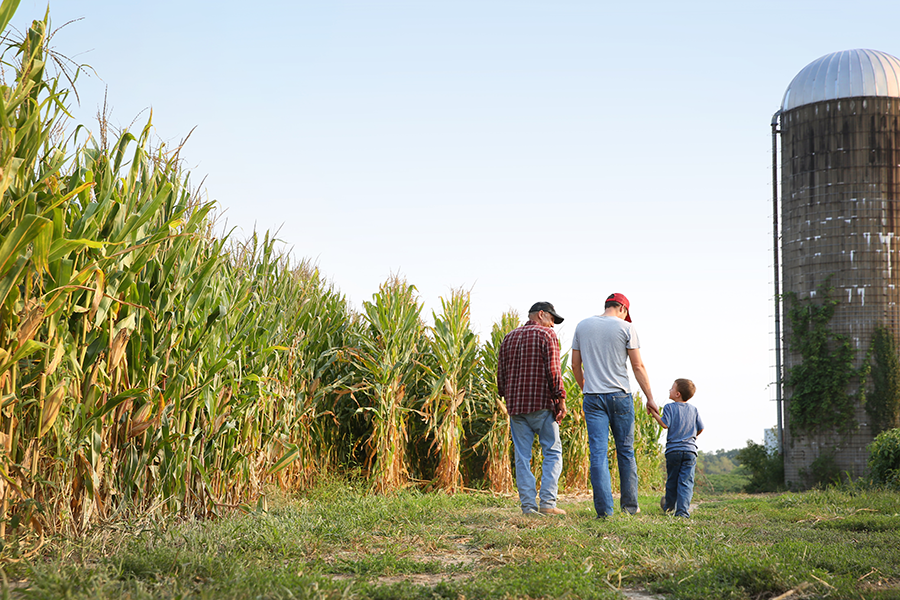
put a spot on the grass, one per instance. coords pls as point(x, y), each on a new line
point(339, 541)
point(719, 483)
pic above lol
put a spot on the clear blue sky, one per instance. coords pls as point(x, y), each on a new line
point(524, 150)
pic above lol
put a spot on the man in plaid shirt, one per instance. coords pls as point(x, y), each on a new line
point(530, 380)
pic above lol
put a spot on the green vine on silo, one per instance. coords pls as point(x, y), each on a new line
point(883, 403)
point(819, 398)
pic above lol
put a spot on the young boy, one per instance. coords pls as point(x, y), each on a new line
point(683, 424)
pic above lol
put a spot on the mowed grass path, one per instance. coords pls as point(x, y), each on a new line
point(341, 542)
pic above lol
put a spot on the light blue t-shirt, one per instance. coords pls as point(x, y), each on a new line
point(683, 422)
point(604, 343)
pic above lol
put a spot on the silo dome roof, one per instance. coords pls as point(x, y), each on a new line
point(844, 75)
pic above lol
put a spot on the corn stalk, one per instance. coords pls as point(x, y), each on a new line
point(491, 409)
point(386, 358)
point(573, 431)
point(454, 348)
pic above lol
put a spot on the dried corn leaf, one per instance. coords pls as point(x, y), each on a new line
point(50, 407)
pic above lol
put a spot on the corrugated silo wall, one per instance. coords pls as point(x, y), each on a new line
point(839, 217)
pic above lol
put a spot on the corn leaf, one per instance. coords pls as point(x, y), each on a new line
point(7, 10)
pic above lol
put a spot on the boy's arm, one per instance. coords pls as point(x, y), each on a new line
point(656, 416)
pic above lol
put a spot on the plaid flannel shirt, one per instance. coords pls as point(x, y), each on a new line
point(529, 377)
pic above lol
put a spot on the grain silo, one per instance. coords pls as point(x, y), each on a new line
point(840, 213)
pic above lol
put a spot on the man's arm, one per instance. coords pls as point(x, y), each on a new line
point(577, 369)
point(501, 373)
point(640, 373)
point(556, 379)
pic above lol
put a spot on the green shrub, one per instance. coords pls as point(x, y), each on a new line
point(884, 458)
point(766, 470)
point(883, 402)
point(823, 470)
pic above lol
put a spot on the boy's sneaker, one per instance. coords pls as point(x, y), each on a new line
point(552, 511)
point(662, 504)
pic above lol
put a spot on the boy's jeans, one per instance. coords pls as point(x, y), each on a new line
point(523, 428)
point(680, 481)
point(615, 412)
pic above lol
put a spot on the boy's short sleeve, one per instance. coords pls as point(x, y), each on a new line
point(683, 423)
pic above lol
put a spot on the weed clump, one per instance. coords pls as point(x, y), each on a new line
point(884, 459)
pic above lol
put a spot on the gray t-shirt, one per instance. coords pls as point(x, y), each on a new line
point(604, 343)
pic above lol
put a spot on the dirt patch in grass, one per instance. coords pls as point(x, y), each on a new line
point(880, 584)
point(578, 496)
point(423, 579)
point(637, 594)
point(430, 580)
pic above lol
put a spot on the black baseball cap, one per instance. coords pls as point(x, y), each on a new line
point(547, 308)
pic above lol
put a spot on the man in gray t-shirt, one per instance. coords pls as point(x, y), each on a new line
point(601, 347)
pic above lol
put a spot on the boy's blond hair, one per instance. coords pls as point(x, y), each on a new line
point(686, 388)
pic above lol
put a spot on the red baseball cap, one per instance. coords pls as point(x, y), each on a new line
point(621, 299)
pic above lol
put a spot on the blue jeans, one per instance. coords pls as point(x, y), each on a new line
point(524, 427)
point(680, 481)
point(604, 413)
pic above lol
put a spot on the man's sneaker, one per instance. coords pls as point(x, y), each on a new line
point(636, 511)
point(532, 513)
point(552, 511)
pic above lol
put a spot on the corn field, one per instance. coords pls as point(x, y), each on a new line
point(148, 363)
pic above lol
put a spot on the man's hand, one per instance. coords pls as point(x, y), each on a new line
point(560, 411)
point(652, 408)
